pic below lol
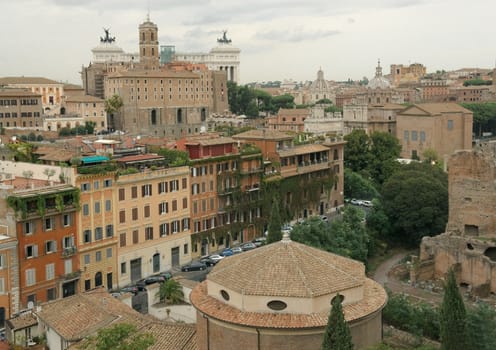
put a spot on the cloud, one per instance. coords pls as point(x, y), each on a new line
point(295, 35)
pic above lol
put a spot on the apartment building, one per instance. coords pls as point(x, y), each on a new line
point(20, 108)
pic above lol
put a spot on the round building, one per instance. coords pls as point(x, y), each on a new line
point(279, 297)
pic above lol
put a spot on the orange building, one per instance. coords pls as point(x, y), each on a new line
point(289, 120)
point(46, 232)
point(9, 283)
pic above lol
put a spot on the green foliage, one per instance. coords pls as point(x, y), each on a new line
point(430, 155)
point(113, 104)
point(171, 291)
point(98, 169)
point(23, 152)
point(345, 236)
point(229, 130)
point(337, 335)
point(419, 319)
point(356, 186)
point(174, 157)
point(356, 150)
point(477, 82)
point(453, 317)
point(415, 201)
point(324, 101)
point(275, 223)
point(481, 328)
point(121, 336)
point(87, 129)
point(484, 116)
point(333, 109)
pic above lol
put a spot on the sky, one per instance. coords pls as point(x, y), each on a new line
point(279, 39)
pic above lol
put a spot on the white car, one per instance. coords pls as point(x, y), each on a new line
point(216, 257)
point(356, 202)
point(367, 203)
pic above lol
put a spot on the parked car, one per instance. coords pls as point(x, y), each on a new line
point(367, 203)
point(151, 279)
point(227, 252)
point(248, 246)
point(129, 289)
point(324, 218)
point(237, 250)
point(356, 201)
point(207, 261)
point(259, 241)
point(216, 257)
point(166, 275)
point(194, 266)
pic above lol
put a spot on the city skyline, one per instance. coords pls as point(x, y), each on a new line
point(292, 40)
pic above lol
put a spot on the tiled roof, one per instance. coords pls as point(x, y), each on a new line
point(26, 80)
point(83, 98)
point(303, 149)
point(437, 108)
point(288, 269)
point(171, 336)
point(154, 74)
point(211, 141)
point(139, 157)
point(18, 93)
point(374, 299)
point(262, 134)
point(60, 155)
point(294, 111)
point(23, 321)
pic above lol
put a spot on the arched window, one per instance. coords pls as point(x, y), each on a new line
point(98, 279)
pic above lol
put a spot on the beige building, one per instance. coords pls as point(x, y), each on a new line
point(90, 108)
point(258, 300)
point(153, 222)
point(443, 127)
point(371, 118)
point(96, 231)
point(51, 91)
point(20, 108)
point(412, 73)
point(288, 120)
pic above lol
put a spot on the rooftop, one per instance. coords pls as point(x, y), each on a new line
point(263, 134)
point(26, 80)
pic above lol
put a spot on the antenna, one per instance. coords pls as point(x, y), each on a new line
point(148, 12)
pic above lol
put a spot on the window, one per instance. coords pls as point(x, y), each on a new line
point(134, 192)
point(123, 268)
point(49, 271)
point(107, 182)
point(122, 216)
point(86, 210)
point(135, 237)
point(197, 227)
point(28, 227)
point(87, 284)
point(96, 185)
point(450, 124)
point(86, 259)
point(98, 256)
point(134, 214)
point(185, 203)
point(30, 277)
point(51, 294)
point(31, 251)
point(122, 194)
point(162, 187)
point(422, 136)
point(122, 239)
point(195, 207)
point(87, 236)
point(185, 183)
point(85, 187)
point(414, 136)
point(108, 205)
point(97, 207)
point(50, 247)
point(185, 249)
point(185, 224)
point(146, 190)
point(3, 262)
point(147, 211)
point(174, 185)
point(174, 205)
point(109, 252)
point(148, 233)
point(2, 285)
point(98, 233)
point(164, 229)
point(49, 224)
point(405, 135)
point(175, 226)
point(67, 220)
point(163, 208)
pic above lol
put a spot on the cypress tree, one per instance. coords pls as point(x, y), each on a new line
point(337, 335)
point(275, 224)
point(453, 316)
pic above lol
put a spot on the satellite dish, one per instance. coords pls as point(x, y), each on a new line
point(30, 305)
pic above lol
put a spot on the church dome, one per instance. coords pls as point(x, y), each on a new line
point(320, 84)
point(378, 82)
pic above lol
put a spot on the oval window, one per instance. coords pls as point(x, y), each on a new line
point(225, 295)
point(340, 296)
point(277, 305)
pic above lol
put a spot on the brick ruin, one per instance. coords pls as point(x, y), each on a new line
point(469, 243)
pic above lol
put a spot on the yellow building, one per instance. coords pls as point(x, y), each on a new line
point(153, 222)
point(97, 240)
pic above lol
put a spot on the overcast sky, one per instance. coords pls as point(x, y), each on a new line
point(279, 39)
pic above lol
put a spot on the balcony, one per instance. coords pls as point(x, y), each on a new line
point(74, 275)
point(69, 251)
point(251, 171)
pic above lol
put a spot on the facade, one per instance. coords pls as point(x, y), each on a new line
point(20, 108)
point(434, 90)
point(96, 231)
point(471, 94)
point(153, 224)
point(258, 300)
point(443, 127)
point(371, 118)
point(90, 108)
point(288, 120)
point(9, 276)
point(323, 123)
point(320, 89)
point(51, 91)
point(407, 74)
point(224, 57)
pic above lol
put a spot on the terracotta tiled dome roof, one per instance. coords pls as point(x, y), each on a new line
point(288, 269)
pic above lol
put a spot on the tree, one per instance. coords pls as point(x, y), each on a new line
point(356, 150)
point(171, 291)
point(49, 173)
point(337, 335)
point(356, 186)
point(275, 233)
point(481, 327)
point(121, 336)
point(174, 157)
point(453, 317)
point(415, 200)
point(384, 150)
point(113, 104)
point(484, 116)
point(283, 101)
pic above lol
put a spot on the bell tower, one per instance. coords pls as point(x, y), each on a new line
point(148, 44)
